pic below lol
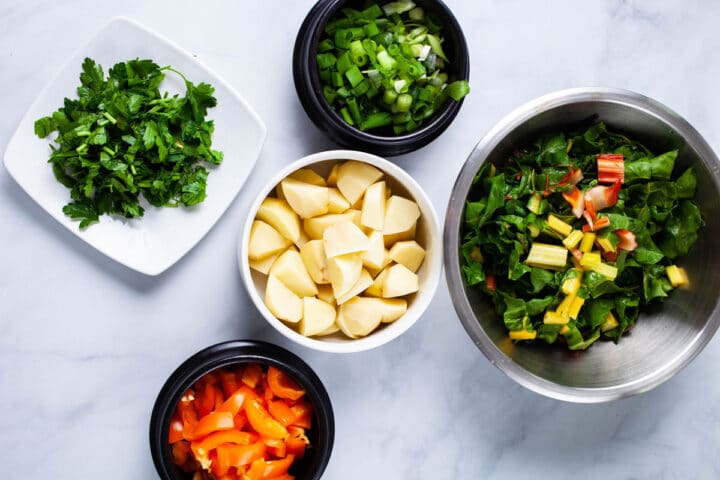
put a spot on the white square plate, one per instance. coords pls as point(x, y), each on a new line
point(156, 241)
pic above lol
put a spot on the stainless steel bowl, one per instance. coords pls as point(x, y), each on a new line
point(664, 340)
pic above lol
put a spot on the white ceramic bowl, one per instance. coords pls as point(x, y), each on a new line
point(428, 235)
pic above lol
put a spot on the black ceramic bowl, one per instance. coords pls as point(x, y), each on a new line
point(307, 81)
point(321, 435)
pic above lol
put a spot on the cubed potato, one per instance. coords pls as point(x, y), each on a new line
point(344, 271)
point(360, 286)
point(313, 256)
point(265, 241)
point(408, 253)
point(392, 239)
point(375, 290)
point(360, 316)
point(282, 302)
point(342, 238)
point(302, 239)
point(263, 266)
point(399, 281)
point(337, 203)
point(315, 227)
point(374, 257)
point(278, 214)
point(401, 215)
point(392, 308)
point(290, 269)
point(308, 176)
point(317, 317)
point(329, 331)
point(354, 177)
point(325, 293)
point(332, 177)
point(373, 207)
point(305, 199)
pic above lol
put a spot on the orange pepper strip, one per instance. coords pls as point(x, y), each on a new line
point(180, 452)
point(203, 447)
point(281, 412)
point(176, 429)
point(239, 455)
point(276, 447)
point(207, 399)
point(282, 385)
point(229, 382)
point(262, 422)
point(296, 442)
point(303, 414)
point(275, 468)
point(256, 470)
point(234, 402)
point(212, 422)
point(252, 375)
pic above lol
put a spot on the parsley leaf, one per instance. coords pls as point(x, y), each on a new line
point(122, 139)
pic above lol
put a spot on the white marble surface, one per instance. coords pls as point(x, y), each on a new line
point(85, 344)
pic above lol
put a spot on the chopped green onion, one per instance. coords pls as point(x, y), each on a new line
point(381, 67)
point(354, 75)
point(458, 89)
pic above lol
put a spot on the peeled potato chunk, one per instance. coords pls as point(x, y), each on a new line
point(354, 177)
point(342, 238)
point(337, 203)
point(278, 214)
point(343, 272)
point(392, 239)
point(392, 308)
point(305, 199)
point(332, 177)
point(399, 281)
point(317, 316)
point(375, 290)
point(263, 266)
point(401, 215)
point(374, 257)
point(360, 286)
point(265, 241)
point(282, 302)
point(290, 269)
point(408, 253)
point(313, 256)
point(373, 207)
point(325, 294)
point(360, 316)
point(315, 227)
point(329, 331)
point(308, 176)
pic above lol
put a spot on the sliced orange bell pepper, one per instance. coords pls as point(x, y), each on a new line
point(229, 382)
point(176, 429)
point(275, 468)
point(239, 455)
point(212, 422)
point(303, 414)
point(262, 422)
point(281, 412)
point(207, 400)
point(275, 447)
point(214, 440)
point(252, 375)
point(180, 452)
point(282, 385)
point(296, 442)
point(234, 402)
